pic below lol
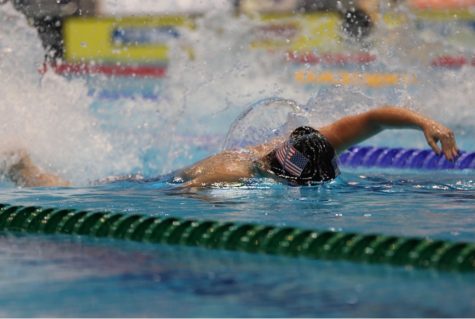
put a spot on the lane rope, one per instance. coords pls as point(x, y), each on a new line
point(369, 156)
point(245, 237)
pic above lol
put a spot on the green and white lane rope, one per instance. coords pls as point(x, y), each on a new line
point(246, 237)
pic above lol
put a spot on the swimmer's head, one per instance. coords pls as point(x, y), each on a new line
point(305, 158)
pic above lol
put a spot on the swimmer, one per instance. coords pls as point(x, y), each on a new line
point(308, 156)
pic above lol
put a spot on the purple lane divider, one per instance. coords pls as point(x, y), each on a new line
point(369, 156)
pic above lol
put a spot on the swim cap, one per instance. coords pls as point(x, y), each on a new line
point(305, 157)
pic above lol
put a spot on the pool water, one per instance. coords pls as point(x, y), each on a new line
point(85, 277)
point(86, 129)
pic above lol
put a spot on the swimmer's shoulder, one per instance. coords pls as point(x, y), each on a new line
point(261, 150)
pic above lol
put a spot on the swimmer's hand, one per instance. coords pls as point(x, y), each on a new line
point(435, 132)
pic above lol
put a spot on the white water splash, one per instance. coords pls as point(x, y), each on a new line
point(48, 115)
point(207, 92)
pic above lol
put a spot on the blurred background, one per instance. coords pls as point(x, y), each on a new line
point(138, 32)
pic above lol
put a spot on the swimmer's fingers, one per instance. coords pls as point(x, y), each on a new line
point(435, 132)
point(432, 143)
point(449, 145)
point(455, 150)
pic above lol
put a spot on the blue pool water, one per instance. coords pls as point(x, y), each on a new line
point(86, 129)
point(99, 278)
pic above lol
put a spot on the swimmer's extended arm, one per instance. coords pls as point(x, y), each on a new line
point(353, 129)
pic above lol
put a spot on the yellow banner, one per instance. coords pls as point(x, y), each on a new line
point(140, 39)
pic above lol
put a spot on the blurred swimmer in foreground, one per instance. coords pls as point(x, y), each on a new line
point(308, 156)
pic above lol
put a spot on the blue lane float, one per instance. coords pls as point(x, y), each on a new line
point(401, 158)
